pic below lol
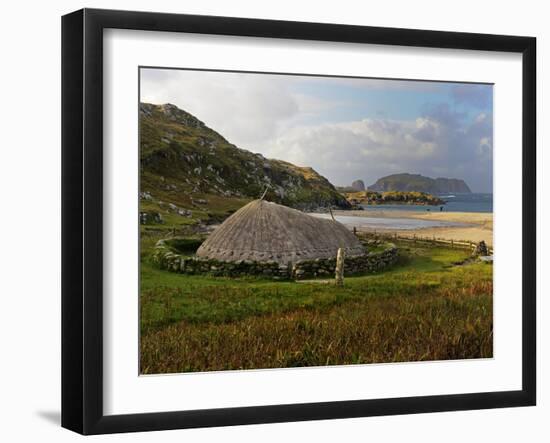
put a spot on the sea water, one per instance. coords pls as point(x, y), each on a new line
point(474, 202)
point(384, 223)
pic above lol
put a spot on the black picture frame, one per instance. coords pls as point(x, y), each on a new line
point(82, 218)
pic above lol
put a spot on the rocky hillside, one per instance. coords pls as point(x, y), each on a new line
point(419, 183)
point(180, 155)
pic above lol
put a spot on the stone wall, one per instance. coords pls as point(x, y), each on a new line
point(363, 264)
point(166, 258)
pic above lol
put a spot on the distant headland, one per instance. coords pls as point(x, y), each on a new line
point(418, 183)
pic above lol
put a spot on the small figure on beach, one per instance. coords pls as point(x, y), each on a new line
point(441, 209)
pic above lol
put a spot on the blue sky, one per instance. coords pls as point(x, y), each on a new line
point(410, 100)
point(344, 128)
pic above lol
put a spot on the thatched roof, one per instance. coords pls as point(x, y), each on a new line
point(263, 231)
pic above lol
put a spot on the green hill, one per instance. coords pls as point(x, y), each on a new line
point(187, 165)
point(419, 183)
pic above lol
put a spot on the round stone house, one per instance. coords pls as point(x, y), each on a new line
point(263, 231)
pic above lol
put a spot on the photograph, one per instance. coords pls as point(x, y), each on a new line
point(292, 220)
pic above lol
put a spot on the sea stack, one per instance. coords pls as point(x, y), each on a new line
point(358, 185)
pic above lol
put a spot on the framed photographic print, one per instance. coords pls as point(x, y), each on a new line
point(269, 221)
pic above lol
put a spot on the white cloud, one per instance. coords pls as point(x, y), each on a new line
point(371, 148)
point(243, 108)
point(377, 83)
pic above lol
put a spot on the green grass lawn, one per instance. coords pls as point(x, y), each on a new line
point(424, 308)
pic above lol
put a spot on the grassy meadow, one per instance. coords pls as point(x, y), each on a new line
point(429, 306)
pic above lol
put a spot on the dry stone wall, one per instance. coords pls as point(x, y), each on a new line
point(166, 258)
point(362, 264)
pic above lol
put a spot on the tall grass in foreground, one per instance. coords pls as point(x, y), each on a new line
point(423, 309)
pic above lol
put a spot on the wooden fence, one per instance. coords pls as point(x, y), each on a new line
point(414, 238)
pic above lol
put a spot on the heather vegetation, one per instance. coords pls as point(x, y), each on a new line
point(430, 306)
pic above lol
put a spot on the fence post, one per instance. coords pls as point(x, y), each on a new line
point(340, 256)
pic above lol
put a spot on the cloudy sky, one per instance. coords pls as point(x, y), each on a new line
point(345, 129)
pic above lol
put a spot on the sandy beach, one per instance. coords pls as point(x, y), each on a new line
point(470, 226)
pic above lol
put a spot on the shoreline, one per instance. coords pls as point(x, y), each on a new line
point(475, 226)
